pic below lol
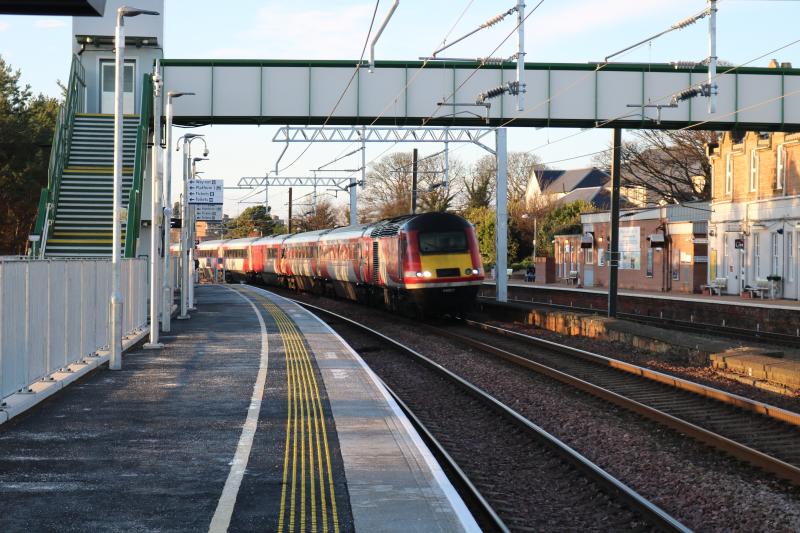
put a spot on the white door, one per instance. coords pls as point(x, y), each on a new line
point(731, 263)
point(107, 87)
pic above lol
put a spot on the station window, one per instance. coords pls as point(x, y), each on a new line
point(753, 171)
point(790, 249)
point(757, 254)
point(649, 272)
point(780, 167)
point(728, 173)
point(776, 258)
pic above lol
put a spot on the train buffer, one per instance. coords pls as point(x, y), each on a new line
point(255, 416)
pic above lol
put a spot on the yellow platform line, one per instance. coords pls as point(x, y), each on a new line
point(305, 429)
point(297, 348)
point(107, 115)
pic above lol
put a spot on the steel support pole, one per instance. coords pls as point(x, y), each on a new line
point(521, 54)
point(115, 361)
point(290, 210)
point(156, 291)
point(712, 56)
point(192, 239)
point(613, 258)
point(168, 294)
point(501, 216)
point(414, 170)
point(184, 262)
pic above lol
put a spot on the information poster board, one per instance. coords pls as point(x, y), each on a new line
point(630, 252)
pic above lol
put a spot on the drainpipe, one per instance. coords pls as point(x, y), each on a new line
point(392, 9)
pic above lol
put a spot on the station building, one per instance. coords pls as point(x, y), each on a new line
point(661, 249)
point(754, 229)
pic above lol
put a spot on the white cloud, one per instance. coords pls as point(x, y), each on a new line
point(279, 31)
point(4, 25)
point(47, 24)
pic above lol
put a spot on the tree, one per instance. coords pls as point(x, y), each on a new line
point(561, 220)
point(322, 217)
point(665, 164)
point(521, 166)
point(484, 220)
point(389, 182)
point(26, 131)
point(479, 184)
point(254, 221)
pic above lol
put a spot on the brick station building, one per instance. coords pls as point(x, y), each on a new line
point(661, 249)
point(754, 229)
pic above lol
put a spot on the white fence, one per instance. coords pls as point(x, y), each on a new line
point(55, 312)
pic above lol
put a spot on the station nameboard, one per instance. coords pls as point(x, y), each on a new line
point(208, 212)
point(206, 191)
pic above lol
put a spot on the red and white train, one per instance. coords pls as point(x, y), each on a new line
point(430, 261)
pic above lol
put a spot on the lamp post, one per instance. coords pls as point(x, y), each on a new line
point(192, 230)
point(115, 360)
point(167, 281)
point(186, 223)
point(155, 215)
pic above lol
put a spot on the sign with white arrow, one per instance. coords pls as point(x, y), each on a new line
point(206, 191)
point(208, 212)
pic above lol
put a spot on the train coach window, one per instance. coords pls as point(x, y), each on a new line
point(442, 242)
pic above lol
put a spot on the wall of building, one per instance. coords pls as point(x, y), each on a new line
point(101, 49)
point(753, 231)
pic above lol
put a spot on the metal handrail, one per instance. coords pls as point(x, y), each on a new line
point(139, 165)
point(59, 151)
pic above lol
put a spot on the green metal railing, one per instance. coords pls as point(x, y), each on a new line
point(59, 153)
point(139, 166)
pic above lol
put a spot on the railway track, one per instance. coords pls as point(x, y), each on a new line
point(530, 479)
point(760, 434)
point(701, 328)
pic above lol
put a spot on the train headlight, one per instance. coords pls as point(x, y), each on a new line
point(419, 274)
point(475, 271)
point(467, 271)
point(427, 274)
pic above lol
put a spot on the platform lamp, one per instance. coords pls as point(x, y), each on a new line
point(186, 230)
point(167, 280)
point(192, 230)
point(115, 360)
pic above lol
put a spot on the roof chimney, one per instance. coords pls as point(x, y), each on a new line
point(773, 63)
point(786, 64)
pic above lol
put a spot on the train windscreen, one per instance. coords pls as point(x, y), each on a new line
point(443, 242)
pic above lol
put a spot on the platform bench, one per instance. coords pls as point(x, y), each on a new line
point(717, 285)
point(761, 288)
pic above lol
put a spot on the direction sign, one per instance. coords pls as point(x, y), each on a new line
point(206, 191)
point(208, 212)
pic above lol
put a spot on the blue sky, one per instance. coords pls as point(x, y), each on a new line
point(560, 30)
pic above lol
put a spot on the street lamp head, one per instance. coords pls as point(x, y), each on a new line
point(126, 11)
point(205, 153)
point(178, 94)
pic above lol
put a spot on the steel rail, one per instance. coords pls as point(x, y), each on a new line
point(671, 323)
point(612, 485)
point(442, 456)
point(706, 391)
point(740, 451)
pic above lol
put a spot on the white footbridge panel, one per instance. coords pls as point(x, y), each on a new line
point(405, 93)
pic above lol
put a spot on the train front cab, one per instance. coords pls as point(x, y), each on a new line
point(442, 270)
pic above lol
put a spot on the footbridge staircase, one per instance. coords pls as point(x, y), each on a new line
point(75, 210)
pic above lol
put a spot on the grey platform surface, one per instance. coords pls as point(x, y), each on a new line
point(154, 447)
point(393, 481)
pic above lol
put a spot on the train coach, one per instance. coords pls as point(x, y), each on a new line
point(428, 261)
